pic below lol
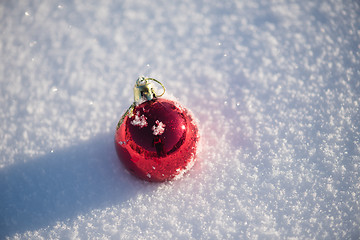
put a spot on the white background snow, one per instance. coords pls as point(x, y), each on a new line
point(275, 86)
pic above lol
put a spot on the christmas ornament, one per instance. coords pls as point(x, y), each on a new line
point(156, 138)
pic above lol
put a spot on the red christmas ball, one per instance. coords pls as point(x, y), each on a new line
point(157, 140)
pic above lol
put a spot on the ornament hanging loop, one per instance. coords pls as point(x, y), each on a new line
point(157, 81)
point(144, 89)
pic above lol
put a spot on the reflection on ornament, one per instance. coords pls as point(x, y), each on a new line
point(156, 138)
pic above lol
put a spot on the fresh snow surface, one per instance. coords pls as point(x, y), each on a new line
point(275, 86)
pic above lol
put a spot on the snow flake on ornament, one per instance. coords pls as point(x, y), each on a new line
point(139, 121)
point(159, 128)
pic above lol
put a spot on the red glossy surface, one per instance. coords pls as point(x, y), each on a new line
point(158, 142)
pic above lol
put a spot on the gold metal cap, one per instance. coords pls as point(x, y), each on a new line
point(144, 89)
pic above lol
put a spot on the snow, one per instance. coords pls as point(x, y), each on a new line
point(159, 128)
point(275, 87)
point(139, 121)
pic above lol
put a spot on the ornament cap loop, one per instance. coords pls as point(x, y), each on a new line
point(144, 89)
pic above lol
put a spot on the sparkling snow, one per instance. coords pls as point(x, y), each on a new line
point(158, 128)
point(139, 121)
point(275, 86)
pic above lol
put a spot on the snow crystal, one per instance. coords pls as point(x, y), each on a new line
point(123, 142)
point(139, 121)
point(158, 128)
